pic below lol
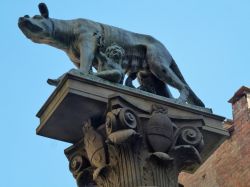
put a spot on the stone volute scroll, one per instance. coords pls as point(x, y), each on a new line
point(121, 135)
point(132, 147)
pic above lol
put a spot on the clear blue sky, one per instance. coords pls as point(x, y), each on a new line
point(210, 41)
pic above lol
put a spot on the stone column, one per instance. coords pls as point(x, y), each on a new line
point(126, 137)
point(128, 150)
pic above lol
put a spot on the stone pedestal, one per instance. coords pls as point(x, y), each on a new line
point(126, 137)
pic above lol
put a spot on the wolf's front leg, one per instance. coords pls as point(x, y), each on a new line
point(87, 53)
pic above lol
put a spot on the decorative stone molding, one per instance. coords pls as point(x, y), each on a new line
point(124, 138)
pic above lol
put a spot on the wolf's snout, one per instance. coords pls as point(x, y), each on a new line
point(22, 22)
point(22, 19)
point(27, 24)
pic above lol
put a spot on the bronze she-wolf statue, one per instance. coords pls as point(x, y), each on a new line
point(78, 39)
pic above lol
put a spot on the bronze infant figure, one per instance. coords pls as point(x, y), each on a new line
point(112, 66)
point(109, 64)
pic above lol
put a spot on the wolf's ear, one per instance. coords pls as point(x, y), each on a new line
point(43, 10)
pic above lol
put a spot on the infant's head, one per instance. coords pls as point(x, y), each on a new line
point(115, 52)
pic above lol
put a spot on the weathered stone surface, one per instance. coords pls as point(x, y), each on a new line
point(228, 166)
point(129, 130)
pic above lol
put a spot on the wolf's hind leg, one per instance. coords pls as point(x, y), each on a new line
point(164, 73)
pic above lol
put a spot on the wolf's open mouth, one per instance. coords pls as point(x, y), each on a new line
point(26, 24)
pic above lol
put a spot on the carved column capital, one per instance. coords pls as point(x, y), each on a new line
point(134, 148)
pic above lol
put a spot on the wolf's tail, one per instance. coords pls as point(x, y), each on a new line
point(193, 98)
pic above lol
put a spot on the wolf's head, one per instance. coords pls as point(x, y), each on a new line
point(38, 28)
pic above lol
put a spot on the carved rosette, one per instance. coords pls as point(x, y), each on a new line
point(134, 148)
